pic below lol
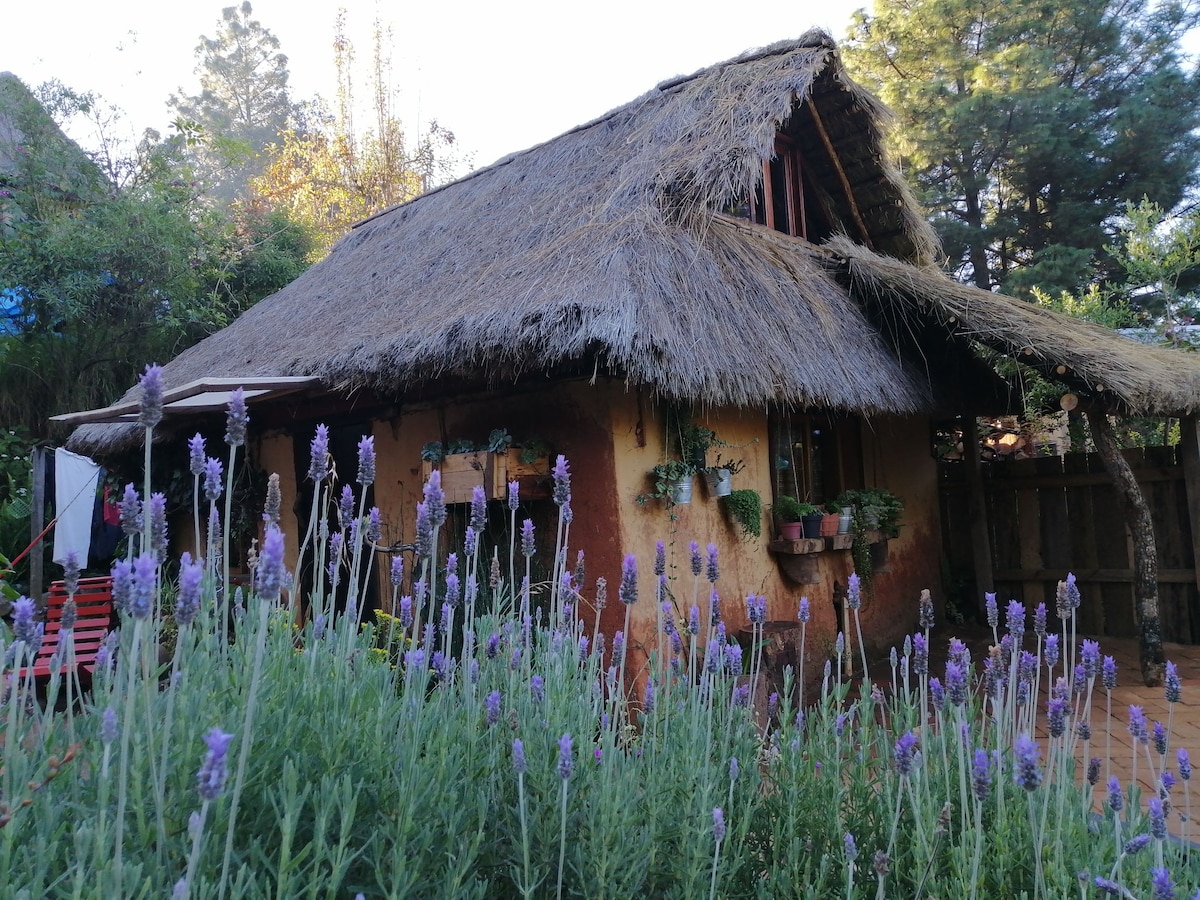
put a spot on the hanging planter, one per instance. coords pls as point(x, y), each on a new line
point(719, 481)
point(681, 490)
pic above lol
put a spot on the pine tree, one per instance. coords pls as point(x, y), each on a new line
point(1027, 126)
point(243, 104)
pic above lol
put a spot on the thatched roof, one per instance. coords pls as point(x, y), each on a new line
point(605, 249)
point(64, 170)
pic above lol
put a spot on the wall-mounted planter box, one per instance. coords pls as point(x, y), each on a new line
point(461, 472)
point(798, 559)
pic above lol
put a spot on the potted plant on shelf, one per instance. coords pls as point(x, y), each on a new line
point(791, 513)
point(875, 519)
point(745, 508)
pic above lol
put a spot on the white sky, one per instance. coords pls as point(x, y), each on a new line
point(501, 76)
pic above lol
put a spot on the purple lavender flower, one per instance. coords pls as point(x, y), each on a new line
point(478, 520)
point(804, 613)
point(150, 411)
point(583, 648)
point(993, 609)
point(697, 560)
point(528, 546)
point(1116, 795)
point(108, 726)
point(693, 625)
point(920, 654)
point(628, 591)
point(925, 617)
point(741, 696)
point(1158, 819)
point(1137, 724)
point(1109, 673)
point(756, 609)
point(213, 486)
point(850, 848)
point(618, 645)
point(1185, 764)
point(406, 612)
point(1090, 655)
point(718, 824)
point(853, 591)
point(122, 576)
point(1161, 886)
point(131, 511)
point(937, 693)
point(562, 480)
point(318, 465)
point(566, 762)
point(1174, 686)
point(25, 628)
point(956, 684)
point(441, 666)
point(713, 568)
point(1039, 620)
point(453, 590)
point(648, 698)
point(196, 454)
point(514, 495)
point(366, 460)
point(1168, 782)
point(733, 659)
point(447, 618)
point(1160, 739)
point(1107, 886)
point(1083, 728)
point(271, 572)
point(435, 499)
point(144, 586)
point(518, 750)
point(187, 604)
point(981, 774)
point(1056, 710)
point(904, 754)
point(210, 779)
point(1050, 651)
point(1026, 771)
point(335, 557)
point(491, 705)
point(714, 609)
point(236, 418)
point(1015, 619)
point(1136, 845)
point(346, 506)
point(424, 542)
point(537, 688)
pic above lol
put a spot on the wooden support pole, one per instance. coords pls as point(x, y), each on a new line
point(1189, 450)
point(1145, 554)
point(981, 544)
point(37, 521)
point(841, 173)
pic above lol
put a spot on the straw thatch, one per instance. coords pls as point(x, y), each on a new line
point(1119, 373)
point(605, 250)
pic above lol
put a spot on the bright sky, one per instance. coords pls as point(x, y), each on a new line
point(502, 76)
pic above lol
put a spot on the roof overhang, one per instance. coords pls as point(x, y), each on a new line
point(204, 395)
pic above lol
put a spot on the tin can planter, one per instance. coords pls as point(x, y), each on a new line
point(681, 490)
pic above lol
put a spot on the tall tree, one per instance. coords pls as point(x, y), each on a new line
point(1028, 125)
point(333, 176)
point(96, 279)
point(243, 104)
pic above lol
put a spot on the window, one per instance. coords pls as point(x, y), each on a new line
point(783, 200)
point(817, 455)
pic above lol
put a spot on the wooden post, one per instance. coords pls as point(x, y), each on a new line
point(981, 545)
point(1189, 450)
point(37, 521)
point(1145, 553)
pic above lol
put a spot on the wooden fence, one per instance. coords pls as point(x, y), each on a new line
point(1054, 515)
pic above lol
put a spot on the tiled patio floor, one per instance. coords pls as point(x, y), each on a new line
point(1185, 723)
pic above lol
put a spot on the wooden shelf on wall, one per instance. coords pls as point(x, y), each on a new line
point(798, 559)
point(461, 472)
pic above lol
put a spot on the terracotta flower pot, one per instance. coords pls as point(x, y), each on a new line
point(791, 531)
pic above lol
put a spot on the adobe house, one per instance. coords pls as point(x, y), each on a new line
point(733, 244)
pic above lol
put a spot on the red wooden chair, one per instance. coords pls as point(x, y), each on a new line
point(94, 606)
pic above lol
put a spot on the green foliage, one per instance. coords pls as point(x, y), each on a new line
point(1027, 125)
point(120, 275)
point(243, 103)
point(789, 509)
point(744, 506)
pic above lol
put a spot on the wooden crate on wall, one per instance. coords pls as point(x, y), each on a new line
point(462, 472)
